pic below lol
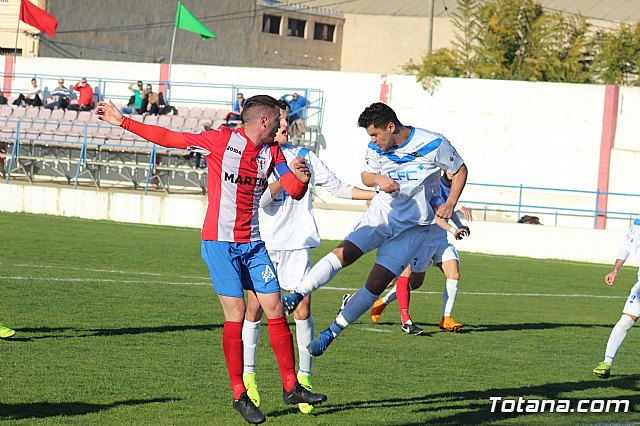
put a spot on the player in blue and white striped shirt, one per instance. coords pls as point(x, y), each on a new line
point(405, 164)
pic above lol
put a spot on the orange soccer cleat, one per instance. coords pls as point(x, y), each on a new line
point(377, 309)
point(449, 324)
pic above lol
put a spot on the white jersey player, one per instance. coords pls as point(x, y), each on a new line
point(436, 250)
point(289, 230)
point(631, 310)
point(405, 164)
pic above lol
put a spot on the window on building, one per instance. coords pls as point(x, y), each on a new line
point(271, 24)
point(323, 32)
point(296, 27)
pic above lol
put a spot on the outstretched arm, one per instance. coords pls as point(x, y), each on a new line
point(159, 135)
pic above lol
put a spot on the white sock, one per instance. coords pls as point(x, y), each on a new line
point(617, 336)
point(359, 303)
point(250, 335)
point(304, 335)
point(321, 273)
point(390, 297)
point(449, 297)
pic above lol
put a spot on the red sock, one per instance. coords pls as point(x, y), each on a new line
point(233, 353)
point(282, 345)
point(402, 292)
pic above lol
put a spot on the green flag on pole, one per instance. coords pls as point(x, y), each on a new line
point(186, 21)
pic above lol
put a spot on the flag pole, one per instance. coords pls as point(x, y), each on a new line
point(15, 50)
point(173, 42)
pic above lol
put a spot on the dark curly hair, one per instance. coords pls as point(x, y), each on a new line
point(379, 115)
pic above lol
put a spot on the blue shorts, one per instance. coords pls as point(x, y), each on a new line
point(235, 267)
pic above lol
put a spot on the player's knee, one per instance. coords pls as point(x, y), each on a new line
point(347, 253)
point(302, 312)
point(632, 317)
point(453, 275)
point(254, 313)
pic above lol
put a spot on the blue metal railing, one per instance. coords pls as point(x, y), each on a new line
point(519, 206)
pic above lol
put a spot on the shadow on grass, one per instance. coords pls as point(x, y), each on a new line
point(54, 409)
point(474, 407)
point(483, 328)
point(69, 332)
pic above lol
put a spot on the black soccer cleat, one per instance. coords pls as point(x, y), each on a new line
point(248, 410)
point(299, 395)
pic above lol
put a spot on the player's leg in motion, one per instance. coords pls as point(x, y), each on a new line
point(225, 270)
point(281, 341)
point(322, 272)
point(408, 281)
point(629, 317)
point(250, 337)
point(358, 304)
point(379, 305)
point(450, 268)
point(304, 335)
point(234, 309)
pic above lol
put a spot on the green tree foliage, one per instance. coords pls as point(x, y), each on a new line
point(520, 40)
point(617, 59)
point(466, 38)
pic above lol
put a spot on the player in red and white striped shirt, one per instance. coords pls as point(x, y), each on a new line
point(239, 163)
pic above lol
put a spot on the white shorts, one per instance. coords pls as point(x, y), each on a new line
point(396, 241)
point(433, 255)
point(291, 266)
point(632, 306)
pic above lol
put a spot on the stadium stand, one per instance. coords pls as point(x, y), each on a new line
point(75, 145)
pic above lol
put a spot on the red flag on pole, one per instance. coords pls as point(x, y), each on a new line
point(36, 17)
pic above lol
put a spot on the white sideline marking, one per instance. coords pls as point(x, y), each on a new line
point(100, 280)
point(343, 289)
point(113, 271)
point(377, 330)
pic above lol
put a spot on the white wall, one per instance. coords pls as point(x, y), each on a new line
point(543, 242)
point(508, 132)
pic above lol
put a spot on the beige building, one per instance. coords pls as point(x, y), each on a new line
point(382, 35)
point(374, 36)
point(27, 45)
point(251, 33)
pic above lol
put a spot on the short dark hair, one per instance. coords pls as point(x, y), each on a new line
point(379, 115)
point(34, 79)
point(256, 103)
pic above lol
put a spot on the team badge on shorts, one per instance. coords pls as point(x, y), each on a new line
point(268, 274)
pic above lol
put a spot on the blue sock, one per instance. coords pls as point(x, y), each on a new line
point(359, 303)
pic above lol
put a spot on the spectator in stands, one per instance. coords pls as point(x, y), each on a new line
point(85, 97)
point(3, 99)
point(297, 110)
point(32, 98)
point(60, 97)
point(150, 102)
point(165, 108)
point(137, 89)
point(236, 114)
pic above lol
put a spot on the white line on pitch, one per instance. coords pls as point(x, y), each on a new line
point(344, 289)
point(100, 280)
point(377, 330)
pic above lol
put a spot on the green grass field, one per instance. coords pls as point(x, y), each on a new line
point(117, 324)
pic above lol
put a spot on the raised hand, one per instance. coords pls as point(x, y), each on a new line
point(110, 113)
